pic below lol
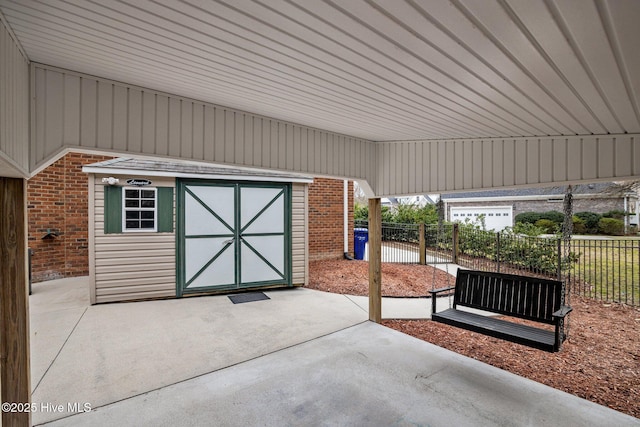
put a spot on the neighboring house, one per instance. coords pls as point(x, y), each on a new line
point(58, 211)
point(500, 207)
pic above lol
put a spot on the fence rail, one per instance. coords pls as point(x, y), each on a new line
point(604, 269)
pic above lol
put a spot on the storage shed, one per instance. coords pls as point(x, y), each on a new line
point(163, 230)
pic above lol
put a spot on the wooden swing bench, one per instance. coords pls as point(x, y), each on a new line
point(531, 298)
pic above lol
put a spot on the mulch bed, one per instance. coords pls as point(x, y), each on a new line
point(600, 362)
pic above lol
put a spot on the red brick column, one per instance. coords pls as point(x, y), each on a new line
point(326, 218)
point(57, 201)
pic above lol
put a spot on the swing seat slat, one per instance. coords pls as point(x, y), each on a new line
point(530, 298)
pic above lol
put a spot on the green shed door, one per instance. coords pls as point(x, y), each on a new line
point(233, 235)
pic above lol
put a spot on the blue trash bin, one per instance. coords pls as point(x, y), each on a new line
point(360, 238)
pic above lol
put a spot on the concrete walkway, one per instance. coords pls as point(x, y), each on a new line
point(301, 358)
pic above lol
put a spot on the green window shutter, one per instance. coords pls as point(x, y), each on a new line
point(112, 209)
point(165, 209)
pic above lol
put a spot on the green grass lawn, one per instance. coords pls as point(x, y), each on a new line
point(608, 269)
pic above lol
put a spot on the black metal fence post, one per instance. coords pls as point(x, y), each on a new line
point(456, 240)
point(498, 251)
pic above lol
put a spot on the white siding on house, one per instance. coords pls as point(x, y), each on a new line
point(427, 167)
point(299, 224)
point(131, 266)
point(74, 110)
point(14, 107)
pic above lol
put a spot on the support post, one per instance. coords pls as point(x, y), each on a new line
point(375, 260)
point(423, 245)
point(14, 302)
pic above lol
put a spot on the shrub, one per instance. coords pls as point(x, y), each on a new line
point(360, 212)
point(611, 226)
point(555, 216)
point(590, 221)
point(527, 229)
point(614, 214)
point(401, 214)
point(475, 241)
point(533, 253)
point(528, 217)
point(579, 226)
point(387, 214)
point(412, 214)
point(549, 226)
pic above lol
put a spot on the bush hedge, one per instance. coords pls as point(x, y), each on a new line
point(590, 221)
point(549, 227)
point(583, 222)
point(611, 226)
point(401, 214)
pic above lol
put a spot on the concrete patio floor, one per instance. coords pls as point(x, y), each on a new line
point(301, 358)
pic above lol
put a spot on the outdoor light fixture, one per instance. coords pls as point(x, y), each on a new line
point(111, 180)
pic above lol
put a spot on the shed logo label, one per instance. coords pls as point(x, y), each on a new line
point(139, 182)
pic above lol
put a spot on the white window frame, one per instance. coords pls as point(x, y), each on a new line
point(125, 209)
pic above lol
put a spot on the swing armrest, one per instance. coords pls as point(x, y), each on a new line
point(564, 310)
point(437, 291)
point(433, 296)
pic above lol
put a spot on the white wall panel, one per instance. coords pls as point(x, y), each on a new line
point(74, 110)
point(14, 107)
point(546, 160)
point(487, 163)
point(575, 154)
point(464, 165)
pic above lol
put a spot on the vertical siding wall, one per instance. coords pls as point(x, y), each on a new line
point(438, 166)
point(299, 234)
point(76, 110)
point(132, 266)
point(14, 104)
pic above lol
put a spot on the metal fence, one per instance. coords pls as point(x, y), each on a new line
point(400, 242)
point(608, 270)
point(600, 268)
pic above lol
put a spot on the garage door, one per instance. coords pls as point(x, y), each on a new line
point(496, 218)
point(232, 235)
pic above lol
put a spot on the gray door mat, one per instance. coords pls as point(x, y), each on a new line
point(248, 297)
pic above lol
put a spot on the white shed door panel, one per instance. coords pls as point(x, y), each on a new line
point(233, 236)
point(496, 218)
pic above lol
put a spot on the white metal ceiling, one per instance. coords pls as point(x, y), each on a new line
point(375, 69)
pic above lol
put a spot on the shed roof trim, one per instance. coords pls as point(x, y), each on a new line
point(128, 166)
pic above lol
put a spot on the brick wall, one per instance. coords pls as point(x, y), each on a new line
point(326, 219)
point(57, 200)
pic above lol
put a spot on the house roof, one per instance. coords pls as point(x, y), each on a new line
point(581, 189)
point(145, 167)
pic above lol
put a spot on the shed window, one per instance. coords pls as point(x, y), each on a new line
point(131, 209)
point(139, 212)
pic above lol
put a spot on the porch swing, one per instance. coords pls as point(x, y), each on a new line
point(530, 298)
